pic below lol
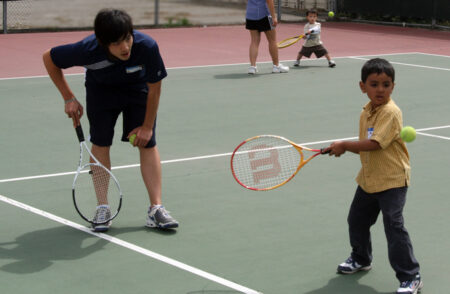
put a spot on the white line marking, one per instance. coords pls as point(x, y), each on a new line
point(195, 158)
point(407, 64)
point(434, 136)
point(132, 247)
point(218, 65)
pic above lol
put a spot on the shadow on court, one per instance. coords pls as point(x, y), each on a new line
point(36, 251)
point(346, 284)
point(116, 231)
point(213, 292)
point(237, 76)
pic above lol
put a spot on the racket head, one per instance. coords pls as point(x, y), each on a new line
point(94, 185)
point(289, 41)
point(266, 162)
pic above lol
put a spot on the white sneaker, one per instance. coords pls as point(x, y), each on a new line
point(252, 70)
point(280, 68)
point(297, 63)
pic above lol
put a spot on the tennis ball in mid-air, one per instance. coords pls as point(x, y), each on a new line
point(408, 134)
point(331, 14)
point(132, 137)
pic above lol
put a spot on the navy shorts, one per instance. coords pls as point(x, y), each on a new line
point(260, 25)
point(103, 107)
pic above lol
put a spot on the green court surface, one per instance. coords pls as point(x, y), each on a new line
point(230, 240)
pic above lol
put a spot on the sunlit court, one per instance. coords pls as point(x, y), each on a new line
point(230, 239)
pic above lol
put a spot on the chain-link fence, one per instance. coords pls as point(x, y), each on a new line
point(39, 15)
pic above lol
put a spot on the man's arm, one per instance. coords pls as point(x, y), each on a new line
point(72, 107)
point(144, 133)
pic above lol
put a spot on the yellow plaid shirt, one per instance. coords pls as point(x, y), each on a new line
point(387, 167)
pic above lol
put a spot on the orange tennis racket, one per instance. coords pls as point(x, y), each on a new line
point(267, 162)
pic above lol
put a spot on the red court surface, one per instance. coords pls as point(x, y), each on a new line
point(21, 54)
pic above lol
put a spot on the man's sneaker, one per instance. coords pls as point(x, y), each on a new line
point(252, 70)
point(100, 220)
point(297, 63)
point(331, 63)
point(350, 267)
point(280, 68)
point(159, 217)
point(411, 287)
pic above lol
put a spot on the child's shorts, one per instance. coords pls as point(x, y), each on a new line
point(261, 25)
point(103, 107)
point(318, 50)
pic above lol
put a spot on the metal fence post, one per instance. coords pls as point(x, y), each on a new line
point(156, 12)
point(279, 10)
point(5, 20)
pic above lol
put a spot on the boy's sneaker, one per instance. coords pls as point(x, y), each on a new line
point(297, 63)
point(252, 70)
point(411, 287)
point(350, 267)
point(331, 63)
point(102, 215)
point(280, 68)
point(159, 217)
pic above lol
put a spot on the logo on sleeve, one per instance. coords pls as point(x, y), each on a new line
point(369, 133)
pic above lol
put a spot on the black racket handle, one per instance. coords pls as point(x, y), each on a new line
point(324, 152)
point(80, 133)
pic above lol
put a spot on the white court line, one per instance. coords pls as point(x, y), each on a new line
point(407, 64)
point(217, 65)
point(132, 247)
point(200, 157)
point(434, 136)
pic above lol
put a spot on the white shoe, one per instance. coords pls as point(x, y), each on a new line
point(252, 70)
point(297, 63)
point(280, 68)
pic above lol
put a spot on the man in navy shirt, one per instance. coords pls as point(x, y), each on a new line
point(124, 70)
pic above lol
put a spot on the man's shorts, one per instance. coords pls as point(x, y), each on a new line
point(103, 107)
point(261, 25)
point(318, 50)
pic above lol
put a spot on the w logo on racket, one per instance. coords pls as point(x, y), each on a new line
point(264, 167)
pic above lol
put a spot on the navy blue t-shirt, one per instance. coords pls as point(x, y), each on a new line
point(145, 64)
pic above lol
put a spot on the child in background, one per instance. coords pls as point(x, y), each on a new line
point(313, 44)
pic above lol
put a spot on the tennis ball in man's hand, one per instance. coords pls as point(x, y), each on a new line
point(132, 137)
point(331, 14)
point(408, 134)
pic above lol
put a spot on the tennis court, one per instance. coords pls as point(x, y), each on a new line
point(230, 240)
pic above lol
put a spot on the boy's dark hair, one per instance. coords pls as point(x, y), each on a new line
point(378, 66)
point(112, 25)
point(312, 11)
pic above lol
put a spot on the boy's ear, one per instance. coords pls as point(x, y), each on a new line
point(362, 86)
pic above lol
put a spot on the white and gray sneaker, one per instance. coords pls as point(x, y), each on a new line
point(280, 68)
point(101, 222)
point(350, 266)
point(252, 70)
point(413, 286)
point(159, 217)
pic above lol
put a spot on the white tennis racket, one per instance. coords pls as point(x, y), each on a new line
point(94, 185)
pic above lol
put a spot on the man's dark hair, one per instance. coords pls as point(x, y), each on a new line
point(311, 11)
point(112, 25)
point(378, 66)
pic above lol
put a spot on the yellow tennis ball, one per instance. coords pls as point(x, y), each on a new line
point(132, 137)
point(331, 14)
point(408, 134)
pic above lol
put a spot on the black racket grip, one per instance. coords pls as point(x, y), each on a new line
point(80, 133)
point(324, 152)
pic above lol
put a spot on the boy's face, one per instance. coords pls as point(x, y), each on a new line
point(378, 88)
point(122, 48)
point(312, 17)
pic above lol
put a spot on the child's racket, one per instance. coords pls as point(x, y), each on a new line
point(267, 162)
point(288, 42)
point(94, 185)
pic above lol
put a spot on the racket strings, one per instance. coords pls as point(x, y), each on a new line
point(265, 162)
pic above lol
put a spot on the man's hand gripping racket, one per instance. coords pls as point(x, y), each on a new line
point(94, 185)
point(267, 162)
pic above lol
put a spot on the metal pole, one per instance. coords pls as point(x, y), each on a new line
point(279, 10)
point(156, 12)
point(5, 22)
